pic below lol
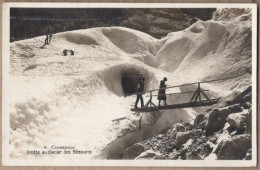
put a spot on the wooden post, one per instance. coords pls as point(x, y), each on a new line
point(197, 95)
point(199, 92)
point(150, 103)
point(151, 96)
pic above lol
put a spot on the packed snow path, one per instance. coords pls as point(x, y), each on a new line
point(70, 100)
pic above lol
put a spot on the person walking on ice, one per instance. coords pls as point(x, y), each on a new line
point(50, 37)
point(46, 39)
point(161, 92)
point(140, 90)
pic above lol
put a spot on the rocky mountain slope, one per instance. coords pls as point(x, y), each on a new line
point(28, 23)
point(222, 133)
point(160, 22)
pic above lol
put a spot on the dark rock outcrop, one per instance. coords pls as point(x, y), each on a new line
point(199, 152)
point(149, 154)
point(158, 22)
point(249, 122)
point(248, 155)
point(160, 143)
point(202, 14)
point(200, 148)
point(246, 101)
point(234, 148)
point(174, 155)
point(217, 118)
point(237, 121)
point(183, 152)
point(247, 105)
point(133, 151)
point(183, 137)
point(199, 118)
point(234, 108)
point(178, 127)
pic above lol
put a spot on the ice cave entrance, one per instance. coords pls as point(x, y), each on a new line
point(129, 81)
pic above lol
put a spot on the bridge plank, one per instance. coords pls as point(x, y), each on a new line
point(177, 106)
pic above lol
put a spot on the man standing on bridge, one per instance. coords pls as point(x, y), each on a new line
point(139, 90)
point(161, 92)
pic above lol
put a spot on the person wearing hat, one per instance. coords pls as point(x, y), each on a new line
point(161, 92)
point(140, 90)
point(141, 77)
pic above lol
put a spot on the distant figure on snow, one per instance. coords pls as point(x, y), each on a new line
point(50, 37)
point(71, 52)
point(46, 39)
point(65, 52)
point(139, 90)
point(161, 92)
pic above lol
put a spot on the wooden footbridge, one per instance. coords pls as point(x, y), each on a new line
point(195, 101)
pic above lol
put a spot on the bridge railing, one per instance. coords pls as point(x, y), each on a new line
point(196, 99)
point(187, 84)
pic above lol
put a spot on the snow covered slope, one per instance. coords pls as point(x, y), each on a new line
point(61, 100)
point(56, 98)
point(211, 49)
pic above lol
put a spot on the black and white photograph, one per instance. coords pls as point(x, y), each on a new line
point(113, 84)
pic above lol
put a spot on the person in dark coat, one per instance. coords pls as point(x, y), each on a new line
point(50, 37)
point(71, 52)
point(65, 52)
point(140, 89)
point(46, 39)
point(161, 92)
point(140, 77)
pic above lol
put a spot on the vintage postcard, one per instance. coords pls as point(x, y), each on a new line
point(129, 84)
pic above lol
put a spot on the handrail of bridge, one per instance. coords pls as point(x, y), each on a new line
point(199, 82)
point(175, 93)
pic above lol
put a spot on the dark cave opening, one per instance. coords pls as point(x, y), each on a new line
point(130, 81)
